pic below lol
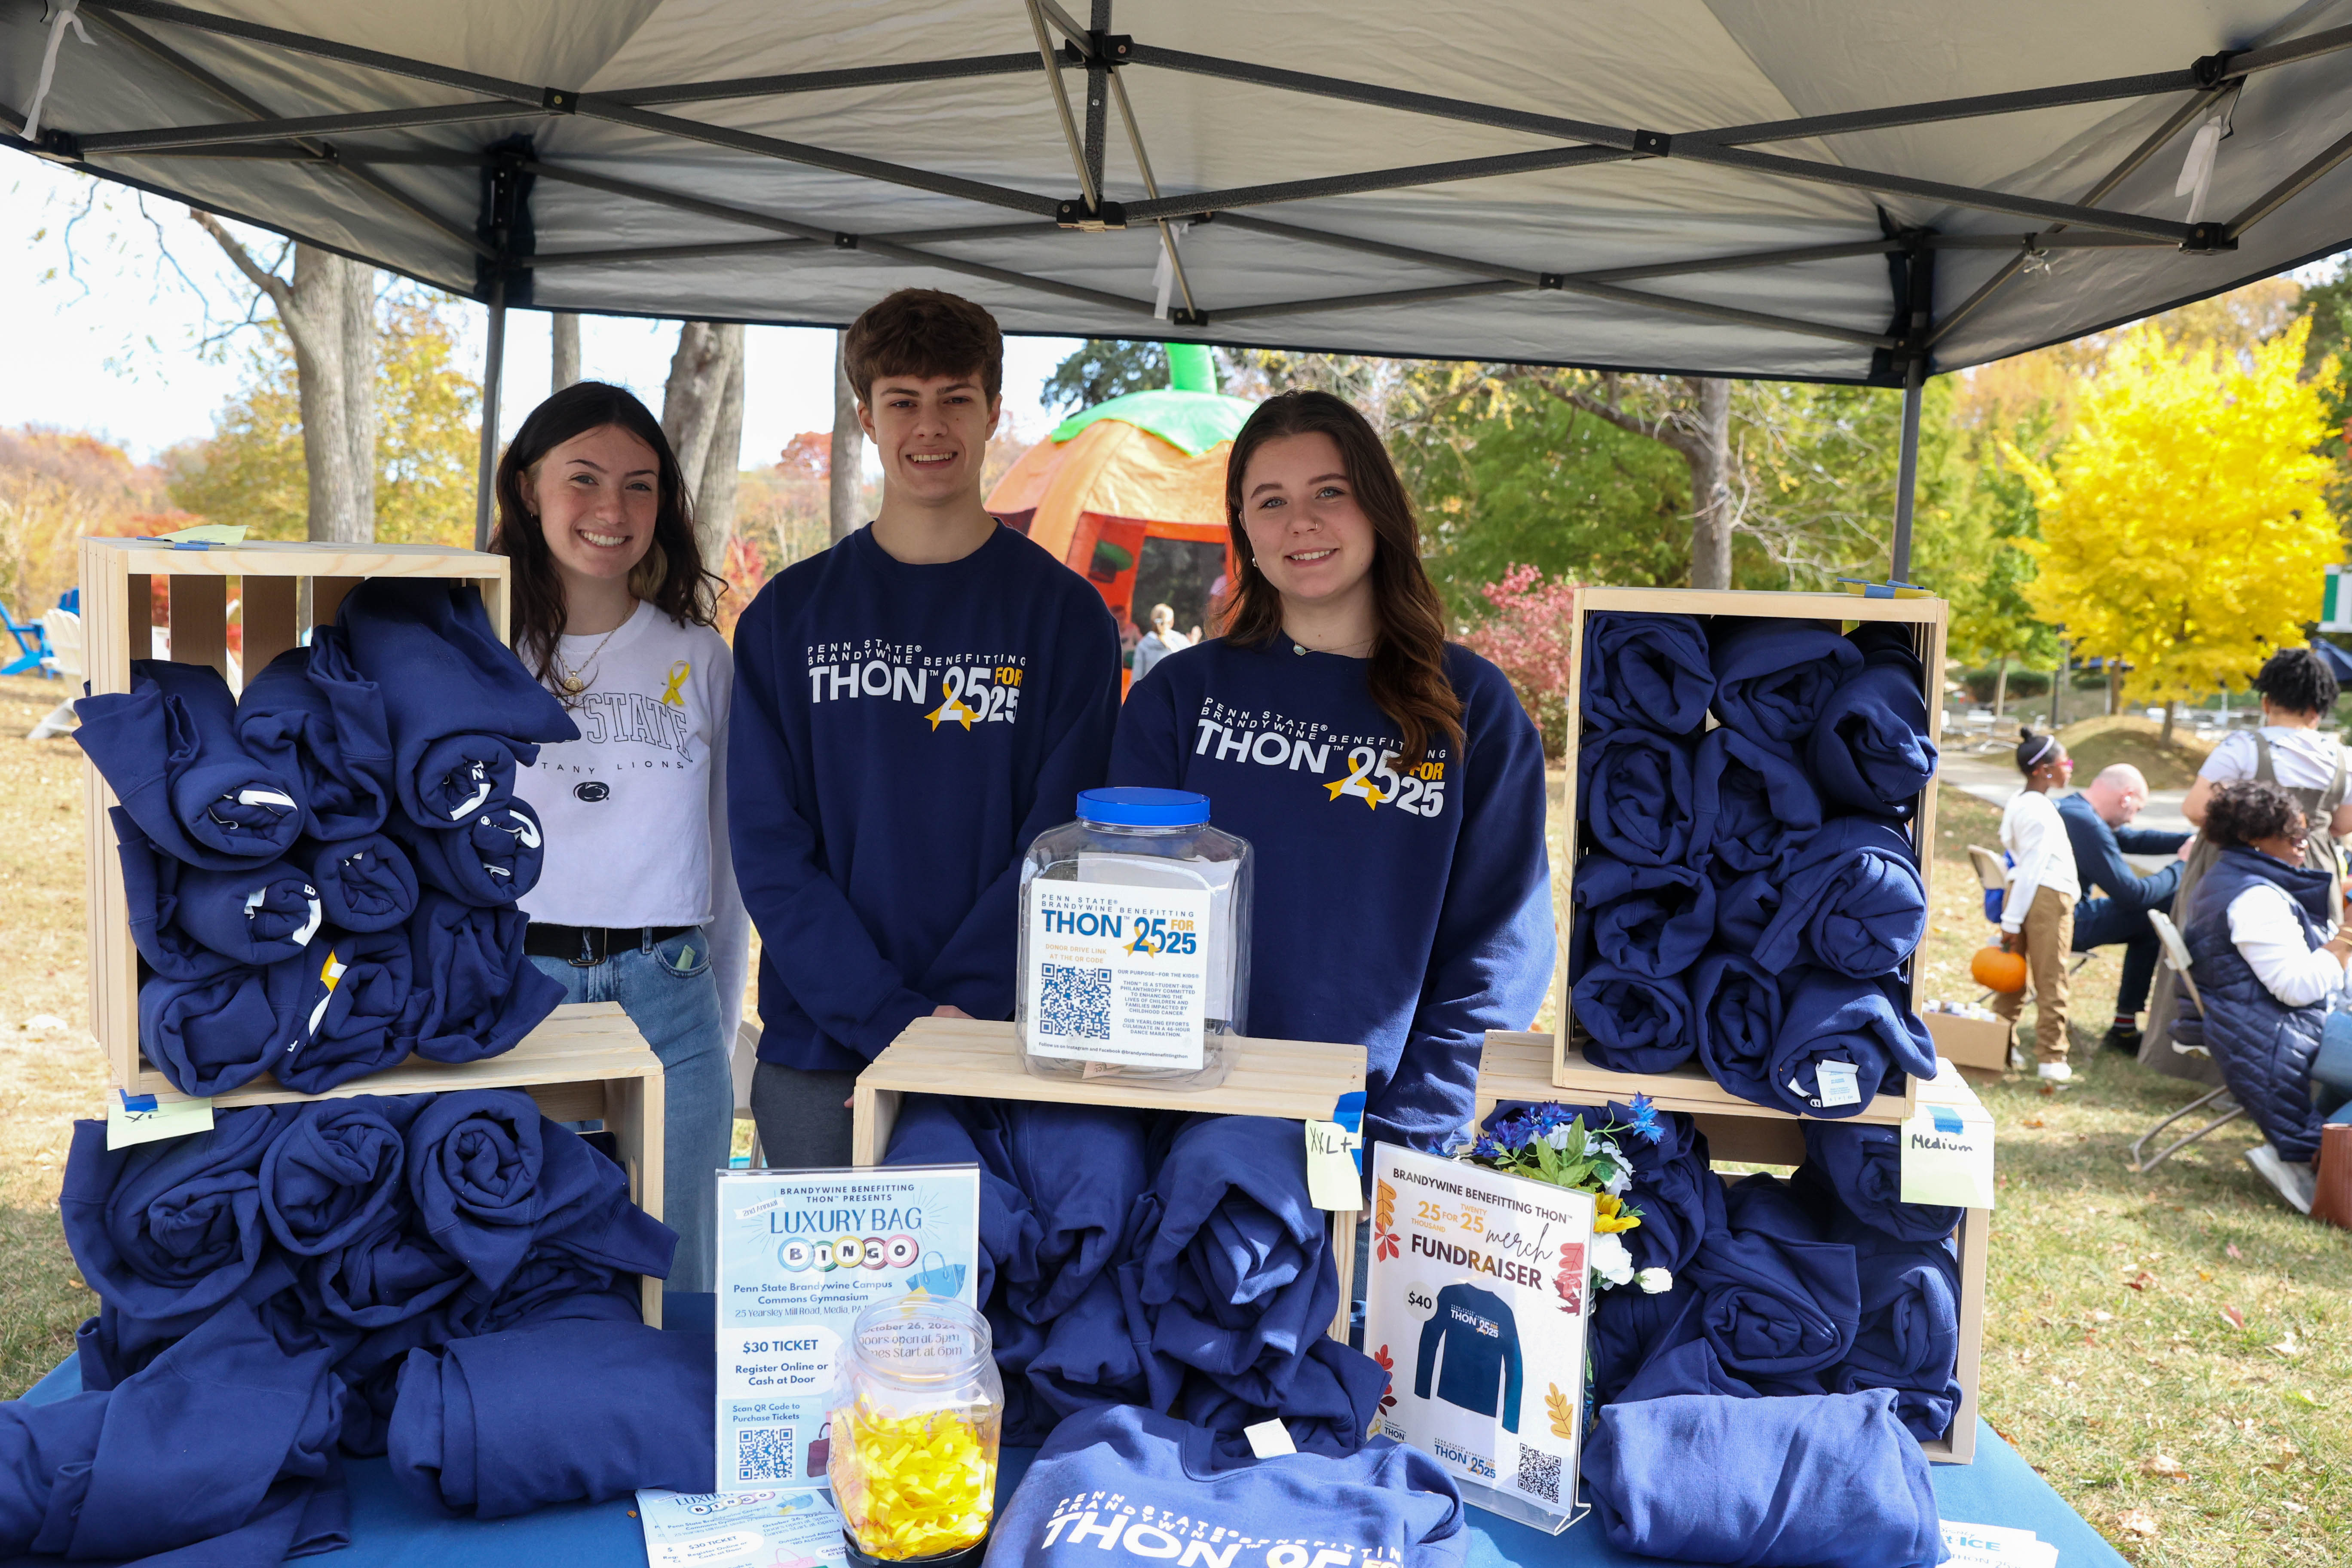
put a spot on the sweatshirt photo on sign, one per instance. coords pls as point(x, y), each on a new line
point(901, 733)
point(1121, 1486)
point(1401, 906)
point(1472, 1345)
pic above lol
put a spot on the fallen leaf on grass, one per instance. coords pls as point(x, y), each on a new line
point(2304, 1396)
point(2233, 1317)
point(2139, 1521)
point(2291, 1506)
point(2142, 1281)
point(2202, 1275)
point(2035, 1122)
point(2166, 1464)
point(2230, 1248)
point(2289, 1346)
point(2102, 1317)
point(77, 1285)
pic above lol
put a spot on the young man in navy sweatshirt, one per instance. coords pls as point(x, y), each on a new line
point(912, 706)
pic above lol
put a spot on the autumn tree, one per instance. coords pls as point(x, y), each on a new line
point(254, 468)
point(2184, 526)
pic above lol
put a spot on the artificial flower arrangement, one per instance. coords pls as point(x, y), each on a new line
point(1551, 1143)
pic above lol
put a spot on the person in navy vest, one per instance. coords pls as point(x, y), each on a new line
point(2266, 958)
point(1389, 781)
point(2098, 826)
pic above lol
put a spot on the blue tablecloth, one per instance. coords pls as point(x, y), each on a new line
point(389, 1531)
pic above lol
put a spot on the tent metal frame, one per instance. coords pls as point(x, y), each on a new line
point(1903, 352)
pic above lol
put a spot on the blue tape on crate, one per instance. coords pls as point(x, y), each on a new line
point(1350, 1113)
point(136, 1102)
point(1946, 1120)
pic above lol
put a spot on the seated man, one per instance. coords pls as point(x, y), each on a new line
point(2098, 826)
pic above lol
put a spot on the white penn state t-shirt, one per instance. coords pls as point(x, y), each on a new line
point(635, 811)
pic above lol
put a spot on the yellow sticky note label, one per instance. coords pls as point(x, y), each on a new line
point(1331, 1181)
point(208, 533)
point(170, 1119)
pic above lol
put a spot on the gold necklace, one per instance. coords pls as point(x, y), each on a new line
point(572, 682)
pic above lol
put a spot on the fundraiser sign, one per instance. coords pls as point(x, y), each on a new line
point(1477, 1306)
point(800, 1254)
point(1117, 973)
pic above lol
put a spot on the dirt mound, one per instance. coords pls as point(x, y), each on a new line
point(2102, 742)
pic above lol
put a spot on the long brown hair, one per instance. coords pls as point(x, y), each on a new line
point(1408, 675)
point(671, 577)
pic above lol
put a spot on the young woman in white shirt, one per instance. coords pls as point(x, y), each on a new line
point(636, 904)
point(2266, 954)
point(2037, 918)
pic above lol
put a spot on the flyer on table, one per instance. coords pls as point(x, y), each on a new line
point(800, 1254)
point(768, 1529)
point(1477, 1306)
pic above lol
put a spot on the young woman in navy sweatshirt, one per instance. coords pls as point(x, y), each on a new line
point(1390, 780)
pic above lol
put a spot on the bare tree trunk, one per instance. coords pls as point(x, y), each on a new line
point(329, 314)
point(1709, 457)
point(714, 499)
point(563, 335)
point(2114, 689)
point(698, 385)
point(2170, 707)
point(2001, 685)
point(847, 464)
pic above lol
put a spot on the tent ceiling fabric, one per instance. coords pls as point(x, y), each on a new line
point(806, 206)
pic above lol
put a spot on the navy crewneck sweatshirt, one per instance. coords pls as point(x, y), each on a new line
point(900, 733)
point(1406, 909)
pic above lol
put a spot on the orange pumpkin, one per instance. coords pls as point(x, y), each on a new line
point(1999, 969)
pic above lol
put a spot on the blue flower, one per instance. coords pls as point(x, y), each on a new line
point(1645, 1120)
point(1485, 1149)
point(1511, 1132)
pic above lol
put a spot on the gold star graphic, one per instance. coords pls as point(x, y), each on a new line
point(954, 708)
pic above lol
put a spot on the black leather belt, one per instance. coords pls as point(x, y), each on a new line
point(585, 947)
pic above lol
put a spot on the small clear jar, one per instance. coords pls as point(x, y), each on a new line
point(917, 1412)
point(1135, 943)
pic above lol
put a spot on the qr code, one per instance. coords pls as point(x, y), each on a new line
point(1538, 1474)
point(1077, 1002)
point(765, 1454)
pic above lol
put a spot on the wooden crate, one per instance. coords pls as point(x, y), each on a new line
point(1926, 617)
point(1298, 1079)
point(282, 589)
point(1516, 1066)
point(586, 1063)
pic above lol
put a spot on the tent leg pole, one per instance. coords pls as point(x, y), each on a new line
point(494, 365)
point(1907, 476)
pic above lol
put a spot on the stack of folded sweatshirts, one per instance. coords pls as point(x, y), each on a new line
point(1160, 1260)
point(377, 1224)
point(321, 873)
point(1752, 892)
point(262, 1286)
point(1801, 1357)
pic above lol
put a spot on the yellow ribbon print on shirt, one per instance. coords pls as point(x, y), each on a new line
point(678, 674)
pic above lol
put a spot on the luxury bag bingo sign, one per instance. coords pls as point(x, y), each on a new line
point(1477, 1306)
point(800, 1254)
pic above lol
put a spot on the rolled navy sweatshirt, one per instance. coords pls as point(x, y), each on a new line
point(1404, 909)
point(899, 733)
point(1120, 1486)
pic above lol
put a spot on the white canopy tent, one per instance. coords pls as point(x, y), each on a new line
point(1863, 191)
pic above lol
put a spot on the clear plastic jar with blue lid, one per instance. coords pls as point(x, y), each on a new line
point(1134, 940)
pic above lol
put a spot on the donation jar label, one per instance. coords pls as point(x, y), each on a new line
point(1117, 974)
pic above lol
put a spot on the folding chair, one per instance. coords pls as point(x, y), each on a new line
point(2176, 958)
point(61, 632)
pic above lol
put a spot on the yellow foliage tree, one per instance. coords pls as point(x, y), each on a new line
point(251, 470)
point(2184, 527)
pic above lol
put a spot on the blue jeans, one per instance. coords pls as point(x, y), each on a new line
point(668, 992)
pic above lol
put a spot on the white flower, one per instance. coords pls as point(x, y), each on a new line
point(1621, 1176)
point(1556, 1137)
point(1655, 1282)
point(1609, 1260)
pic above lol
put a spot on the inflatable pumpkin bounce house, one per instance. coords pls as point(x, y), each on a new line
point(1131, 494)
